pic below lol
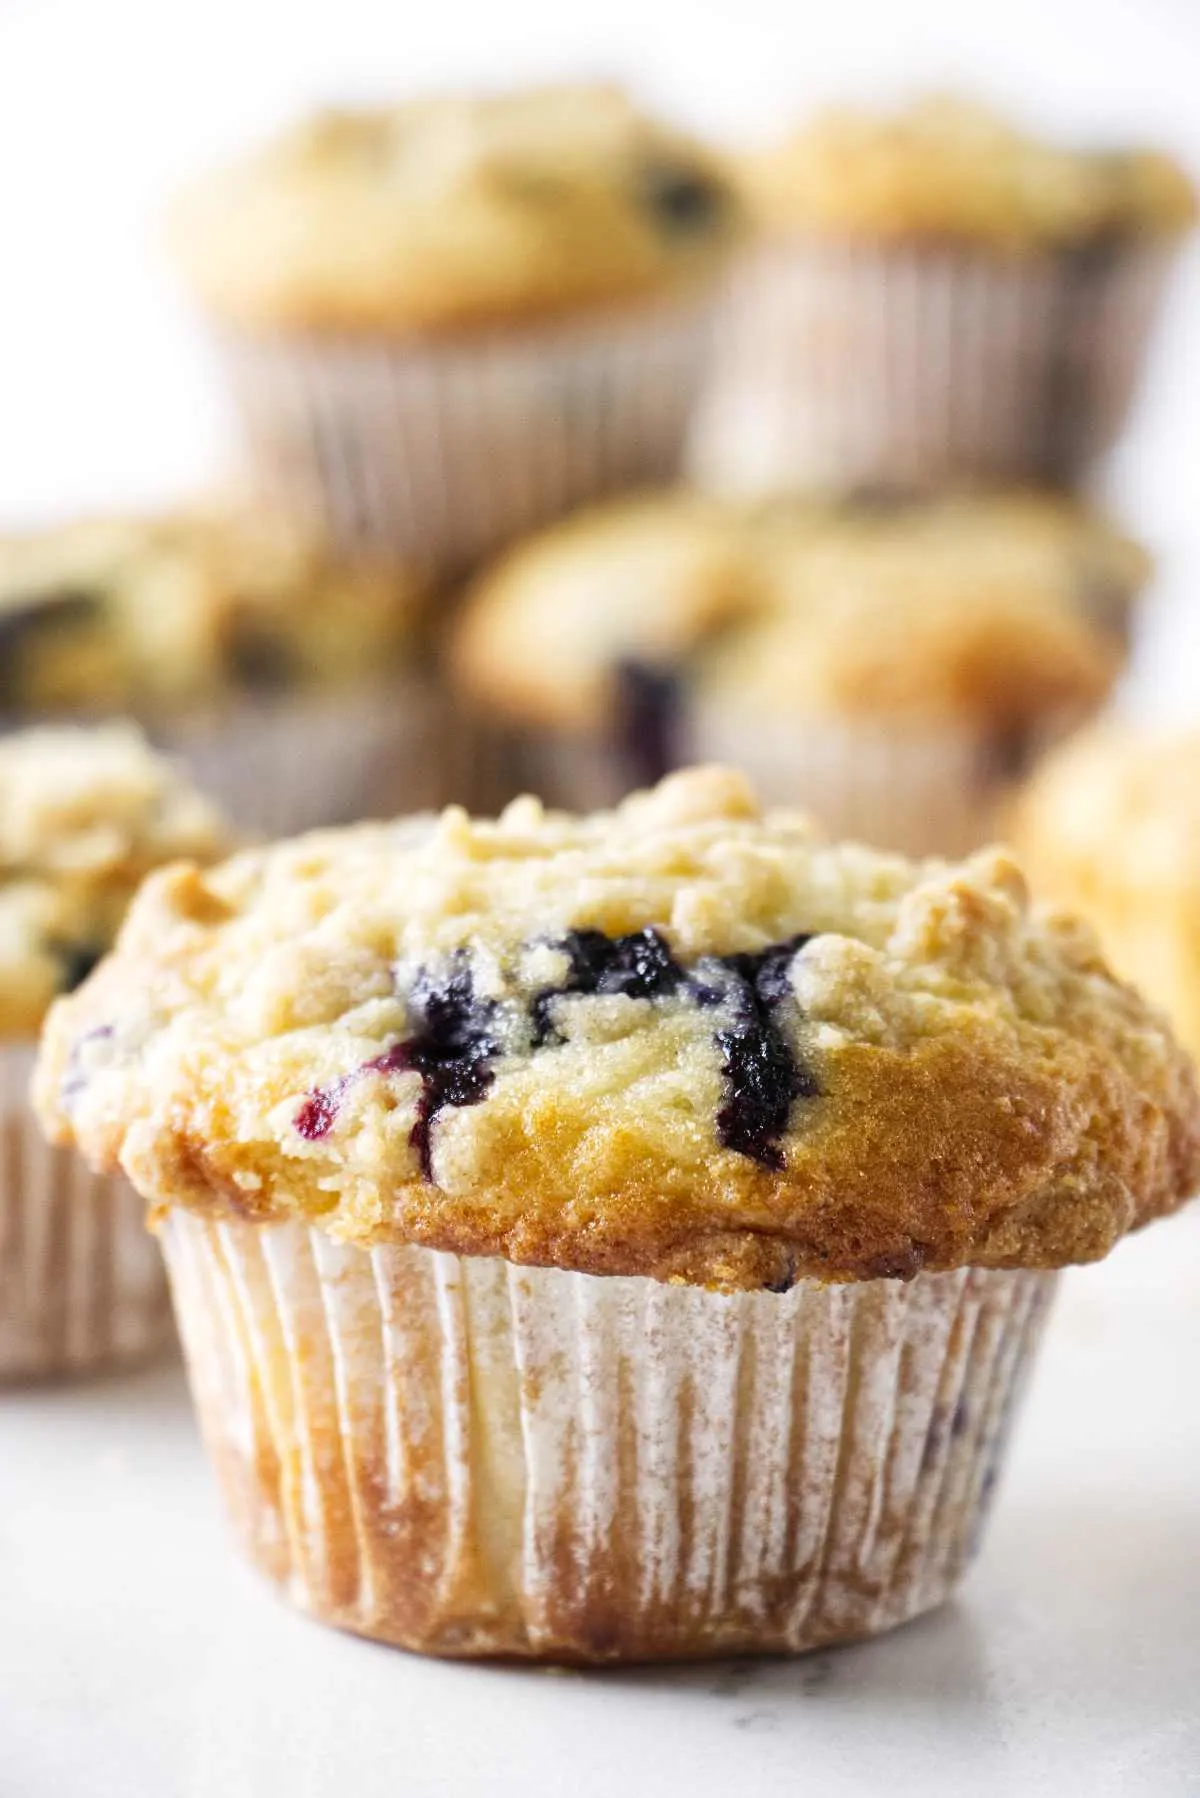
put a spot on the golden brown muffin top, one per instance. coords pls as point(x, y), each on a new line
point(84, 816)
point(944, 169)
point(457, 212)
point(993, 610)
point(1111, 827)
point(681, 1039)
point(186, 608)
point(1118, 785)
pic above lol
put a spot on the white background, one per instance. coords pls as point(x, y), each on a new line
point(137, 1660)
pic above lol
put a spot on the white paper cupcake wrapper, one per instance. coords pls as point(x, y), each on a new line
point(936, 792)
point(933, 792)
point(438, 454)
point(466, 1457)
point(845, 365)
point(280, 766)
point(82, 1283)
point(576, 771)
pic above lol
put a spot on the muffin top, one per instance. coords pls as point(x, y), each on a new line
point(451, 213)
point(184, 608)
point(681, 1039)
point(84, 817)
point(994, 610)
point(1116, 785)
point(1111, 827)
point(944, 169)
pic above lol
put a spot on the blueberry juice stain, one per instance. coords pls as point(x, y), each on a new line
point(452, 1050)
point(762, 1076)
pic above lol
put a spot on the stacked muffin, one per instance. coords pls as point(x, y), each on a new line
point(892, 666)
point(447, 321)
point(291, 686)
point(444, 322)
point(934, 295)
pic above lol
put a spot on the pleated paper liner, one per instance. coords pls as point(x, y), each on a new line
point(281, 765)
point(82, 1284)
point(465, 1457)
point(438, 453)
point(933, 791)
point(908, 366)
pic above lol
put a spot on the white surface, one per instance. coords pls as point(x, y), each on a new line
point(138, 1659)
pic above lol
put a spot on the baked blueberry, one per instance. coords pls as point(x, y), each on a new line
point(640, 966)
point(683, 200)
point(763, 1077)
point(452, 1050)
point(648, 719)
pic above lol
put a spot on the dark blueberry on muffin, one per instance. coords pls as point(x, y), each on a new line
point(640, 966)
point(649, 718)
point(683, 200)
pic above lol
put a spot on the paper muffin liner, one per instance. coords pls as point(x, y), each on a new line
point(282, 765)
point(439, 453)
point(82, 1283)
point(466, 1457)
point(578, 771)
point(938, 791)
point(907, 366)
point(933, 791)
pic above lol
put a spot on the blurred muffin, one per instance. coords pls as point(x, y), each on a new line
point(449, 321)
point(84, 816)
point(286, 683)
point(891, 666)
point(1111, 827)
point(617, 1237)
point(937, 296)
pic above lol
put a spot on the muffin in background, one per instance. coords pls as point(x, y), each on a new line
point(289, 685)
point(1110, 827)
point(620, 1237)
point(84, 817)
point(448, 321)
point(890, 666)
point(935, 296)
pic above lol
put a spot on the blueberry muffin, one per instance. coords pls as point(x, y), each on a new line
point(938, 295)
point(947, 171)
point(287, 682)
point(450, 319)
point(618, 1236)
point(84, 817)
point(889, 664)
point(1111, 827)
